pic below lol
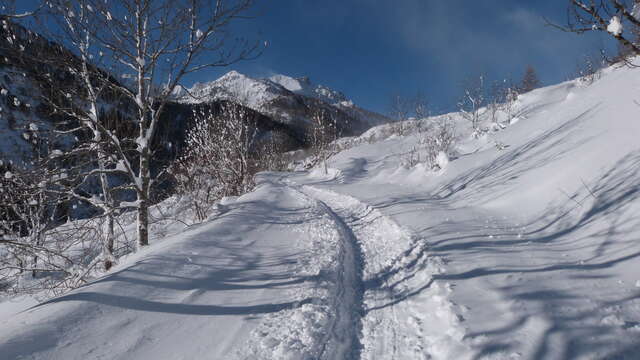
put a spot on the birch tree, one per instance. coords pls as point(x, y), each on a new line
point(154, 45)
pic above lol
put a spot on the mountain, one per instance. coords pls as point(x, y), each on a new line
point(287, 100)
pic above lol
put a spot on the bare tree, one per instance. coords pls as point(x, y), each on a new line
point(530, 80)
point(404, 108)
point(323, 132)
point(154, 44)
point(610, 16)
point(473, 101)
point(496, 100)
point(511, 94)
point(78, 101)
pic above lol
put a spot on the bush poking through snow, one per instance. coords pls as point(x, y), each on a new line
point(217, 159)
point(36, 253)
point(587, 71)
point(433, 147)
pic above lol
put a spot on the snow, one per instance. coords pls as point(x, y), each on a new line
point(615, 26)
point(304, 86)
point(526, 250)
point(56, 153)
point(253, 93)
point(442, 160)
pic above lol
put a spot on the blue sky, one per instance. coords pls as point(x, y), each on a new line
point(371, 49)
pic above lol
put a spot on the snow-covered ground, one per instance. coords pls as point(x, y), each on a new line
point(526, 245)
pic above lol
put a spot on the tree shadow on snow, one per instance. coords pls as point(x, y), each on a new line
point(217, 258)
point(600, 223)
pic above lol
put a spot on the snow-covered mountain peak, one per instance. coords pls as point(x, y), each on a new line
point(235, 86)
point(287, 99)
point(232, 77)
point(304, 86)
point(256, 91)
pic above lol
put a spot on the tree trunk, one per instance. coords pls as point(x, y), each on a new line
point(108, 234)
point(108, 242)
point(143, 198)
point(143, 223)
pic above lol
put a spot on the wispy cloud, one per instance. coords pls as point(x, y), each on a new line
point(469, 37)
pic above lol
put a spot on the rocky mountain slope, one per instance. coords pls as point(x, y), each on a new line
point(287, 100)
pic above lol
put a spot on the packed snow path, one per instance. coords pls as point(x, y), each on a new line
point(343, 340)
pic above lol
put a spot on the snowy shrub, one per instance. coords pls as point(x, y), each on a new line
point(38, 252)
point(273, 157)
point(587, 71)
point(216, 160)
point(433, 147)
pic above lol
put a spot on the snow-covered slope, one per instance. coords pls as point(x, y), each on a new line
point(540, 239)
point(526, 250)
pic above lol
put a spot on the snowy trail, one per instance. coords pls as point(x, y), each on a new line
point(405, 315)
point(344, 342)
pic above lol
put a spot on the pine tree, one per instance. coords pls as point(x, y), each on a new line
point(529, 81)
